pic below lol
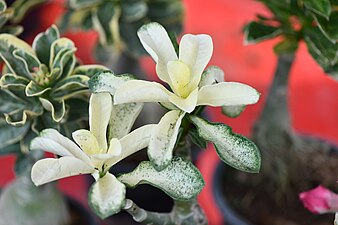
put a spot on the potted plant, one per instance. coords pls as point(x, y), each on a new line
point(292, 162)
point(115, 103)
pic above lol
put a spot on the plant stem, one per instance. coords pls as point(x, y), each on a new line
point(183, 213)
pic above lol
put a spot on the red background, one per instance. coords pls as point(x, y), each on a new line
point(313, 96)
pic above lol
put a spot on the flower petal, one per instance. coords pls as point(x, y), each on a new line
point(186, 104)
point(156, 42)
point(51, 140)
point(226, 94)
point(133, 142)
point(47, 170)
point(100, 106)
point(107, 196)
point(196, 51)
point(87, 141)
point(141, 91)
point(115, 147)
point(163, 139)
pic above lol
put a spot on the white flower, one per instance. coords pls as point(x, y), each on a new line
point(183, 74)
point(91, 154)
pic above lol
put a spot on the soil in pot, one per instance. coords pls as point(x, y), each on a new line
point(253, 197)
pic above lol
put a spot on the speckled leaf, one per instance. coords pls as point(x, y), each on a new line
point(43, 42)
point(122, 119)
point(255, 32)
point(10, 134)
point(181, 180)
point(107, 196)
point(322, 7)
point(13, 81)
point(233, 111)
point(235, 150)
point(212, 75)
point(163, 139)
point(107, 82)
point(57, 108)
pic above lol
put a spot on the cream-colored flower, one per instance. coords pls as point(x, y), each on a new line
point(90, 154)
point(183, 74)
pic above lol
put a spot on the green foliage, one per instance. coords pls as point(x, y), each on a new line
point(117, 22)
point(41, 87)
point(310, 20)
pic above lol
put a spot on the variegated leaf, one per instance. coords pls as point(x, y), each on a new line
point(13, 81)
point(57, 108)
point(79, 4)
point(89, 70)
point(108, 82)
point(234, 149)
point(181, 180)
point(43, 42)
point(107, 196)
point(10, 134)
point(233, 111)
point(21, 7)
point(70, 86)
point(33, 89)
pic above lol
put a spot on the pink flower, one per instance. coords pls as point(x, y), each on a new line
point(320, 200)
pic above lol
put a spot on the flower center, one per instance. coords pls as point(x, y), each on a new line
point(180, 75)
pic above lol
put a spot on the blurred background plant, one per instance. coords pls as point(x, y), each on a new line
point(292, 162)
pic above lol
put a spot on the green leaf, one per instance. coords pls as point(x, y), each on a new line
point(43, 42)
point(255, 32)
point(321, 49)
point(181, 180)
point(107, 82)
point(13, 30)
point(30, 61)
point(10, 102)
point(235, 150)
point(13, 81)
point(8, 44)
point(128, 32)
point(107, 196)
point(3, 5)
point(70, 86)
point(103, 20)
point(322, 7)
point(57, 108)
point(33, 89)
point(10, 149)
point(233, 111)
point(10, 135)
point(25, 161)
point(329, 27)
point(133, 10)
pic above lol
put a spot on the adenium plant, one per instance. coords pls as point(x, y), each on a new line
point(42, 86)
point(114, 105)
point(308, 20)
point(118, 21)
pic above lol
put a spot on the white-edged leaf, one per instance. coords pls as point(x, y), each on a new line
point(107, 196)
point(57, 108)
point(234, 149)
point(47, 170)
point(181, 180)
point(163, 139)
point(10, 134)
